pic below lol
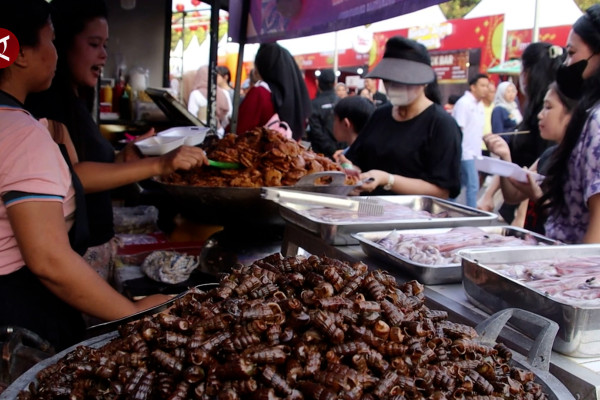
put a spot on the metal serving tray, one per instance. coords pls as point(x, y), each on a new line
point(579, 333)
point(340, 233)
point(427, 273)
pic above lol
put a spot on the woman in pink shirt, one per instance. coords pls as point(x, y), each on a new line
point(44, 283)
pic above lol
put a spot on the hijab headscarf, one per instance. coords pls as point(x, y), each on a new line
point(201, 84)
point(512, 107)
point(290, 97)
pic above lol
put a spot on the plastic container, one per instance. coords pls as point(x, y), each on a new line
point(193, 135)
point(495, 166)
point(159, 145)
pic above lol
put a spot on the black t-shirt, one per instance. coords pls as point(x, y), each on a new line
point(90, 146)
point(427, 147)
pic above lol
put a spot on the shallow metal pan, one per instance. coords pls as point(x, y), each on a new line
point(340, 233)
point(579, 333)
point(235, 205)
point(427, 273)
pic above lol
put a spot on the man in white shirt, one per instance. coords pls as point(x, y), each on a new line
point(469, 113)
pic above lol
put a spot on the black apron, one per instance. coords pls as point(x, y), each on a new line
point(25, 302)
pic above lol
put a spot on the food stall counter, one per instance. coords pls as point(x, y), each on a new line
point(580, 375)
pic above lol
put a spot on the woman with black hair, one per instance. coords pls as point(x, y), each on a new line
point(539, 64)
point(572, 184)
point(81, 41)
point(281, 89)
point(44, 283)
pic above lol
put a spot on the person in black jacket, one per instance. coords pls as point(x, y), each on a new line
point(320, 131)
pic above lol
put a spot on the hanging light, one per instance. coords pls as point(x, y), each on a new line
point(127, 4)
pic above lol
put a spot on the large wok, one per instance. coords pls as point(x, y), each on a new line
point(240, 205)
point(537, 360)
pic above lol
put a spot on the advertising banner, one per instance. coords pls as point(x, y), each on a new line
point(517, 40)
point(271, 20)
point(483, 33)
point(451, 66)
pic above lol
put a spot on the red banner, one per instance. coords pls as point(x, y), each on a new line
point(516, 41)
point(483, 33)
point(346, 58)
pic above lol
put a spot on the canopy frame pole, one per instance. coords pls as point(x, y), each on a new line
point(212, 65)
point(240, 65)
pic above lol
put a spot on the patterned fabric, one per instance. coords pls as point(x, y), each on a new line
point(102, 258)
point(570, 224)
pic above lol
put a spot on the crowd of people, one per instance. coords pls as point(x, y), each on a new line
point(56, 167)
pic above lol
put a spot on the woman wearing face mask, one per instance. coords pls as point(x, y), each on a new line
point(411, 145)
point(552, 122)
point(572, 184)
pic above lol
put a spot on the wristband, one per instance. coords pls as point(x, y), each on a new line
point(390, 182)
point(346, 165)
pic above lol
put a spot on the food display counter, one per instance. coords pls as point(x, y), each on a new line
point(580, 375)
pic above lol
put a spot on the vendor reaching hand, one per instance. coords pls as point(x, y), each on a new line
point(411, 145)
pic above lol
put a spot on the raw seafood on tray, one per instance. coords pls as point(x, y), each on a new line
point(574, 281)
point(442, 248)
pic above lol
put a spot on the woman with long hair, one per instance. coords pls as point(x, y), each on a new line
point(81, 40)
point(45, 285)
point(281, 90)
point(572, 184)
point(539, 61)
point(552, 122)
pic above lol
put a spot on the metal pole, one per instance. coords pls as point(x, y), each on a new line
point(335, 55)
point(212, 66)
point(240, 64)
point(536, 28)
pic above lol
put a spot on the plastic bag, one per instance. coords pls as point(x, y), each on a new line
point(139, 219)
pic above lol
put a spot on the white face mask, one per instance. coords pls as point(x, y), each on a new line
point(402, 95)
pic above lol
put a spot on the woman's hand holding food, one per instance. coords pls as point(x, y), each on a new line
point(379, 178)
point(184, 157)
point(498, 146)
point(131, 152)
point(531, 188)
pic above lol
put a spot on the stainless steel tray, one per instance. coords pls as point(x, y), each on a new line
point(340, 233)
point(239, 205)
point(427, 273)
point(579, 333)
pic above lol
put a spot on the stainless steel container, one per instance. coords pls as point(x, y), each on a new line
point(340, 233)
point(427, 273)
point(243, 205)
point(579, 333)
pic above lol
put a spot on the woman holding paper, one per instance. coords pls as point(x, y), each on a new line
point(552, 122)
point(572, 185)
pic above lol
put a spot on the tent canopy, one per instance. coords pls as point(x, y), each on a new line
point(520, 14)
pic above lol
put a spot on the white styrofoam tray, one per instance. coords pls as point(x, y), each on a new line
point(193, 135)
point(496, 166)
point(159, 145)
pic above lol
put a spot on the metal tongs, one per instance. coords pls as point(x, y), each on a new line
point(362, 206)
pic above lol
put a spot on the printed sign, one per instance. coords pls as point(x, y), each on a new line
point(9, 48)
